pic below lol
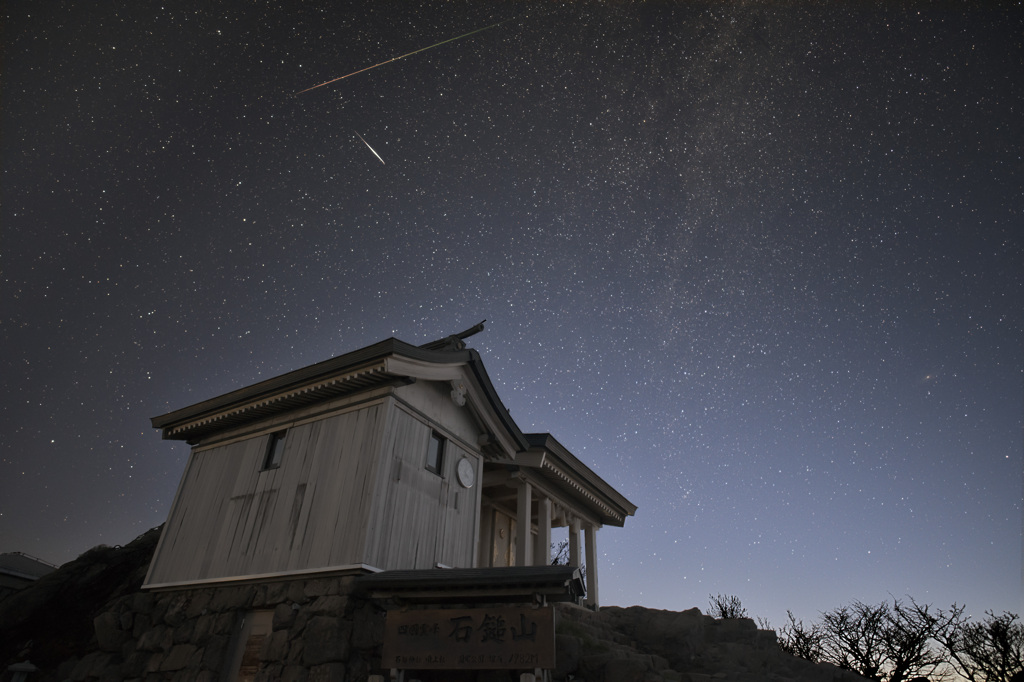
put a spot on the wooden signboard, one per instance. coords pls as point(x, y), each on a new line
point(506, 637)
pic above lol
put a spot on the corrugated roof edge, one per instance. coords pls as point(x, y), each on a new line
point(24, 566)
point(304, 375)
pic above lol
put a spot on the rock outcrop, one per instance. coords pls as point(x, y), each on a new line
point(638, 644)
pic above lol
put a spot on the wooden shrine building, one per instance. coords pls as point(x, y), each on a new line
point(390, 457)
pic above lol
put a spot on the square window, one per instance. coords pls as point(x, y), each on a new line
point(435, 453)
point(275, 448)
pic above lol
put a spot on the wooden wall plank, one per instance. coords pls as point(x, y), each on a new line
point(233, 518)
point(462, 511)
point(425, 519)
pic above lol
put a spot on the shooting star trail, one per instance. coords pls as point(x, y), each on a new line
point(395, 59)
point(368, 146)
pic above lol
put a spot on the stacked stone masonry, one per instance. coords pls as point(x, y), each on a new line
point(320, 632)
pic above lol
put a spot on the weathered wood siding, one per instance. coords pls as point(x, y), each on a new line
point(421, 518)
point(230, 518)
point(462, 514)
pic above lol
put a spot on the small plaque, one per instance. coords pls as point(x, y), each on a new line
point(457, 639)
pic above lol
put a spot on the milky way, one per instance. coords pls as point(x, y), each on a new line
point(760, 267)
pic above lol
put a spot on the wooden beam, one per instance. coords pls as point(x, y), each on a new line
point(524, 505)
point(591, 547)
point(574, 543)
point(542, 546)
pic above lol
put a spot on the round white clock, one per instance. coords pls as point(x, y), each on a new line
point(466, 472)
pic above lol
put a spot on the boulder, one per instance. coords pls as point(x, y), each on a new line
point(325, 640)
point(178, 658)
point(284, 616)
point(109, 635)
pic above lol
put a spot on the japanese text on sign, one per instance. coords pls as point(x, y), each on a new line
point(492, 638)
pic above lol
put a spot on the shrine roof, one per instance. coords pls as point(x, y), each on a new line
point(503, 583)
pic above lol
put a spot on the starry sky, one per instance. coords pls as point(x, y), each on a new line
point(759, 265)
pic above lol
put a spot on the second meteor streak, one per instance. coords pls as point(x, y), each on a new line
point(368, 146)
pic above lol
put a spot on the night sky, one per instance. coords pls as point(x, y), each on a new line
point(759, 265)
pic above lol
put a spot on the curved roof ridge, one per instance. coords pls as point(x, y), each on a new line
point(349, 372)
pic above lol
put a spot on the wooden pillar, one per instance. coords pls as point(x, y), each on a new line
point(574, 542)
point(524, 543)
point(542, 547)
point(591, 540)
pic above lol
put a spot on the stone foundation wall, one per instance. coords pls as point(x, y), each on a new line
point(321, 631)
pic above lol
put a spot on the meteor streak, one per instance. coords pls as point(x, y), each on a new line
point(395, 59)
point(368, 146)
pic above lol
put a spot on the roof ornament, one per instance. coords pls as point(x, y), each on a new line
point(458, 393)
point(455, 342)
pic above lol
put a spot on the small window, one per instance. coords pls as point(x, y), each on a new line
point(435, 453)
point(275, 448)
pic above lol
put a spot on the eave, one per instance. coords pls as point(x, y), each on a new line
point(551, 460)
point(511, 583)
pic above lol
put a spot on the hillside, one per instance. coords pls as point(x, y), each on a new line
point(51, 621)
